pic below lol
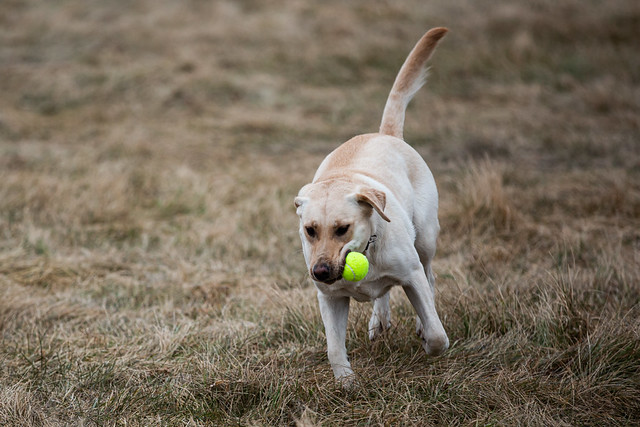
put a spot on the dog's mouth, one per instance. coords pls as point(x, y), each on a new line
point(326, 279)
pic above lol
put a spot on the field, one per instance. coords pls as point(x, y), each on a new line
point(150, 267)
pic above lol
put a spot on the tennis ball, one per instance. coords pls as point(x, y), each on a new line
point(356, 267)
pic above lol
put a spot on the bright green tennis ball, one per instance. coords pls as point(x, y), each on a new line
point(356, 267)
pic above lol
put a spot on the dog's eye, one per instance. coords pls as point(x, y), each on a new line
point(342, 230)
point(311, 232)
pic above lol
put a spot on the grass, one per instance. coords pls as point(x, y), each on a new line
point(150, 267)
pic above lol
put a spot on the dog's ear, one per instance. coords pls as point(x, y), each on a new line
point(299, 202)
point(301, 199)
point(376, 199)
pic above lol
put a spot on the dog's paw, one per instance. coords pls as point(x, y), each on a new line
point(342, 370)
point(378, 326)
point(436, 345)
point(348, 382)
point(376, 330)
point(345, 377)
point(433, 344)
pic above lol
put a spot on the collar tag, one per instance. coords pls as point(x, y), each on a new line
point(372, 239)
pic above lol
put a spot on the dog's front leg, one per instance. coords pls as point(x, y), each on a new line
point(335, 312)
point(421, 295)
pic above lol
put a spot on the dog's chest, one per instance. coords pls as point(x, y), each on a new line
point(366, 290)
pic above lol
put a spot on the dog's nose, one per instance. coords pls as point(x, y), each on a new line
point(321, 271)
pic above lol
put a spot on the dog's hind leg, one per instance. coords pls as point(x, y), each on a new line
point(425, 245)
point(419, 290)
point(380, 317)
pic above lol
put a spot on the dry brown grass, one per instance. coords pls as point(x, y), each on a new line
point(150, 267)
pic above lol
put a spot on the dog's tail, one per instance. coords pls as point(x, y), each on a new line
point(410, 79)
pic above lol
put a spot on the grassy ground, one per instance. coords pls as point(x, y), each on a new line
point(150, 268)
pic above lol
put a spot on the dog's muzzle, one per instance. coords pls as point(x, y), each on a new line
point(326, 273)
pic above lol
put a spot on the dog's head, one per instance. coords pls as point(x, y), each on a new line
point(335, 217)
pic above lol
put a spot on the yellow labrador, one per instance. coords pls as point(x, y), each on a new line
point(375, 194)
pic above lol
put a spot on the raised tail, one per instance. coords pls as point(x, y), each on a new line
point(410, 79)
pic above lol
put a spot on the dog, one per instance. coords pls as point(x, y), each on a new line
point(376, 195)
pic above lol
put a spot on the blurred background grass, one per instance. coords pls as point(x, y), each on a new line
point(150, 265)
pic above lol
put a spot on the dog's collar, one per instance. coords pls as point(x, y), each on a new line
point(372, 239)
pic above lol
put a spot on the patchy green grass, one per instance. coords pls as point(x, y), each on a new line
point(150, 268)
